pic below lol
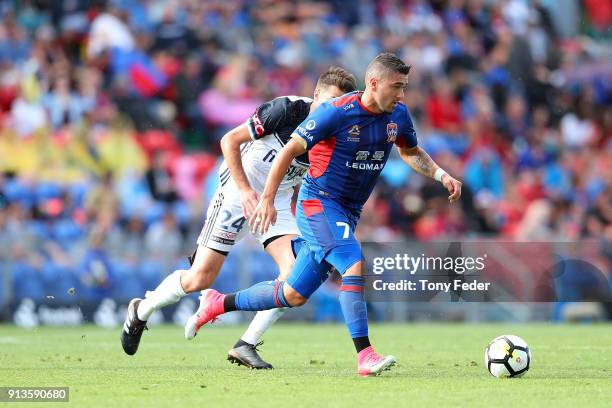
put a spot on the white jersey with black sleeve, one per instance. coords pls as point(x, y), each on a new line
point(270, 128)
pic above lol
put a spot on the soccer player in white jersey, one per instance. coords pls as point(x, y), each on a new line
point(248, 150)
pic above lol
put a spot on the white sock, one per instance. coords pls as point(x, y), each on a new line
point(260, 324)
point(168, 292)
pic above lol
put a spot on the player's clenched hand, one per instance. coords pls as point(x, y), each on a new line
point(263, 216)
point(453, 186)
point(248, 199)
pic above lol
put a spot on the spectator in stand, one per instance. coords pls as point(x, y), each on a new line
point(64, 105)
point(127, 241)
point(102, 200)
point(27, 113)
point(96, 271)
point(159, 180)
point(163, 240)
point(484, 173)
point(109, 31)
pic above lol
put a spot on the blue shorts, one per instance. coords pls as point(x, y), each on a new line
point(327, 241)
point(329, 230)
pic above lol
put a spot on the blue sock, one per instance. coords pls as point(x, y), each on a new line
point(353, 306)
point(261, 296)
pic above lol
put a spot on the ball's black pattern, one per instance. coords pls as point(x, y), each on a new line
point(506, 359)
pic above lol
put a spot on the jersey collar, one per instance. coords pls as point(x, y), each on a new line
point(359, 95)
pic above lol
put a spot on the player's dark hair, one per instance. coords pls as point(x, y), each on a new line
point(340, 77)
point(387, 62)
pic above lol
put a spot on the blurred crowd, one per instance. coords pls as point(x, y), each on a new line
point(111, 113)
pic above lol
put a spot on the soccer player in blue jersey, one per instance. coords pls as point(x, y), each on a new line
point(349, 140)
point(249, 151)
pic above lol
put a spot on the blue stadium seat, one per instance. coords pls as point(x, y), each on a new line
point(16, 190)
point(57, 282)
point(154, 213)
point(133, 195)
point(46, 190)
point(78, 192)
point(182, 212)
point(229, 278)
point(150, 274)
point(396, 173)
point(27, 282)
point(66, 231)
point(4, 279)
point(180, 263)
point(326, 304)
point(261, 267)
point(40, 229)
point(127, 283)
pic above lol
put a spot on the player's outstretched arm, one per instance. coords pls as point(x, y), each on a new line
point(422, 163)
point(230, 146)
point(265, 213)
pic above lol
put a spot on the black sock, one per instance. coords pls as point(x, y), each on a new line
point(229, 303)
point(241, 343)
point(361, 343)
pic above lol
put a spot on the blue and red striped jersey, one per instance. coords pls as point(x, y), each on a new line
point(349, 146)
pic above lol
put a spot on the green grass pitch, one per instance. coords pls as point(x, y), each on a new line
point(439, 365)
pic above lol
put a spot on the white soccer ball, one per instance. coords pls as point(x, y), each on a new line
point(507, 356)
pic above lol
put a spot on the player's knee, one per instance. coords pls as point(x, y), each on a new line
point(293, 298)
point(205, 268)
point(357, 269)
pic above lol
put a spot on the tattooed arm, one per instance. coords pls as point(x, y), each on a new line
point(419, 160)
point(422, 163)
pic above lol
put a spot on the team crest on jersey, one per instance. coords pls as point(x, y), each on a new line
point(354, 133)
point(391, 132)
